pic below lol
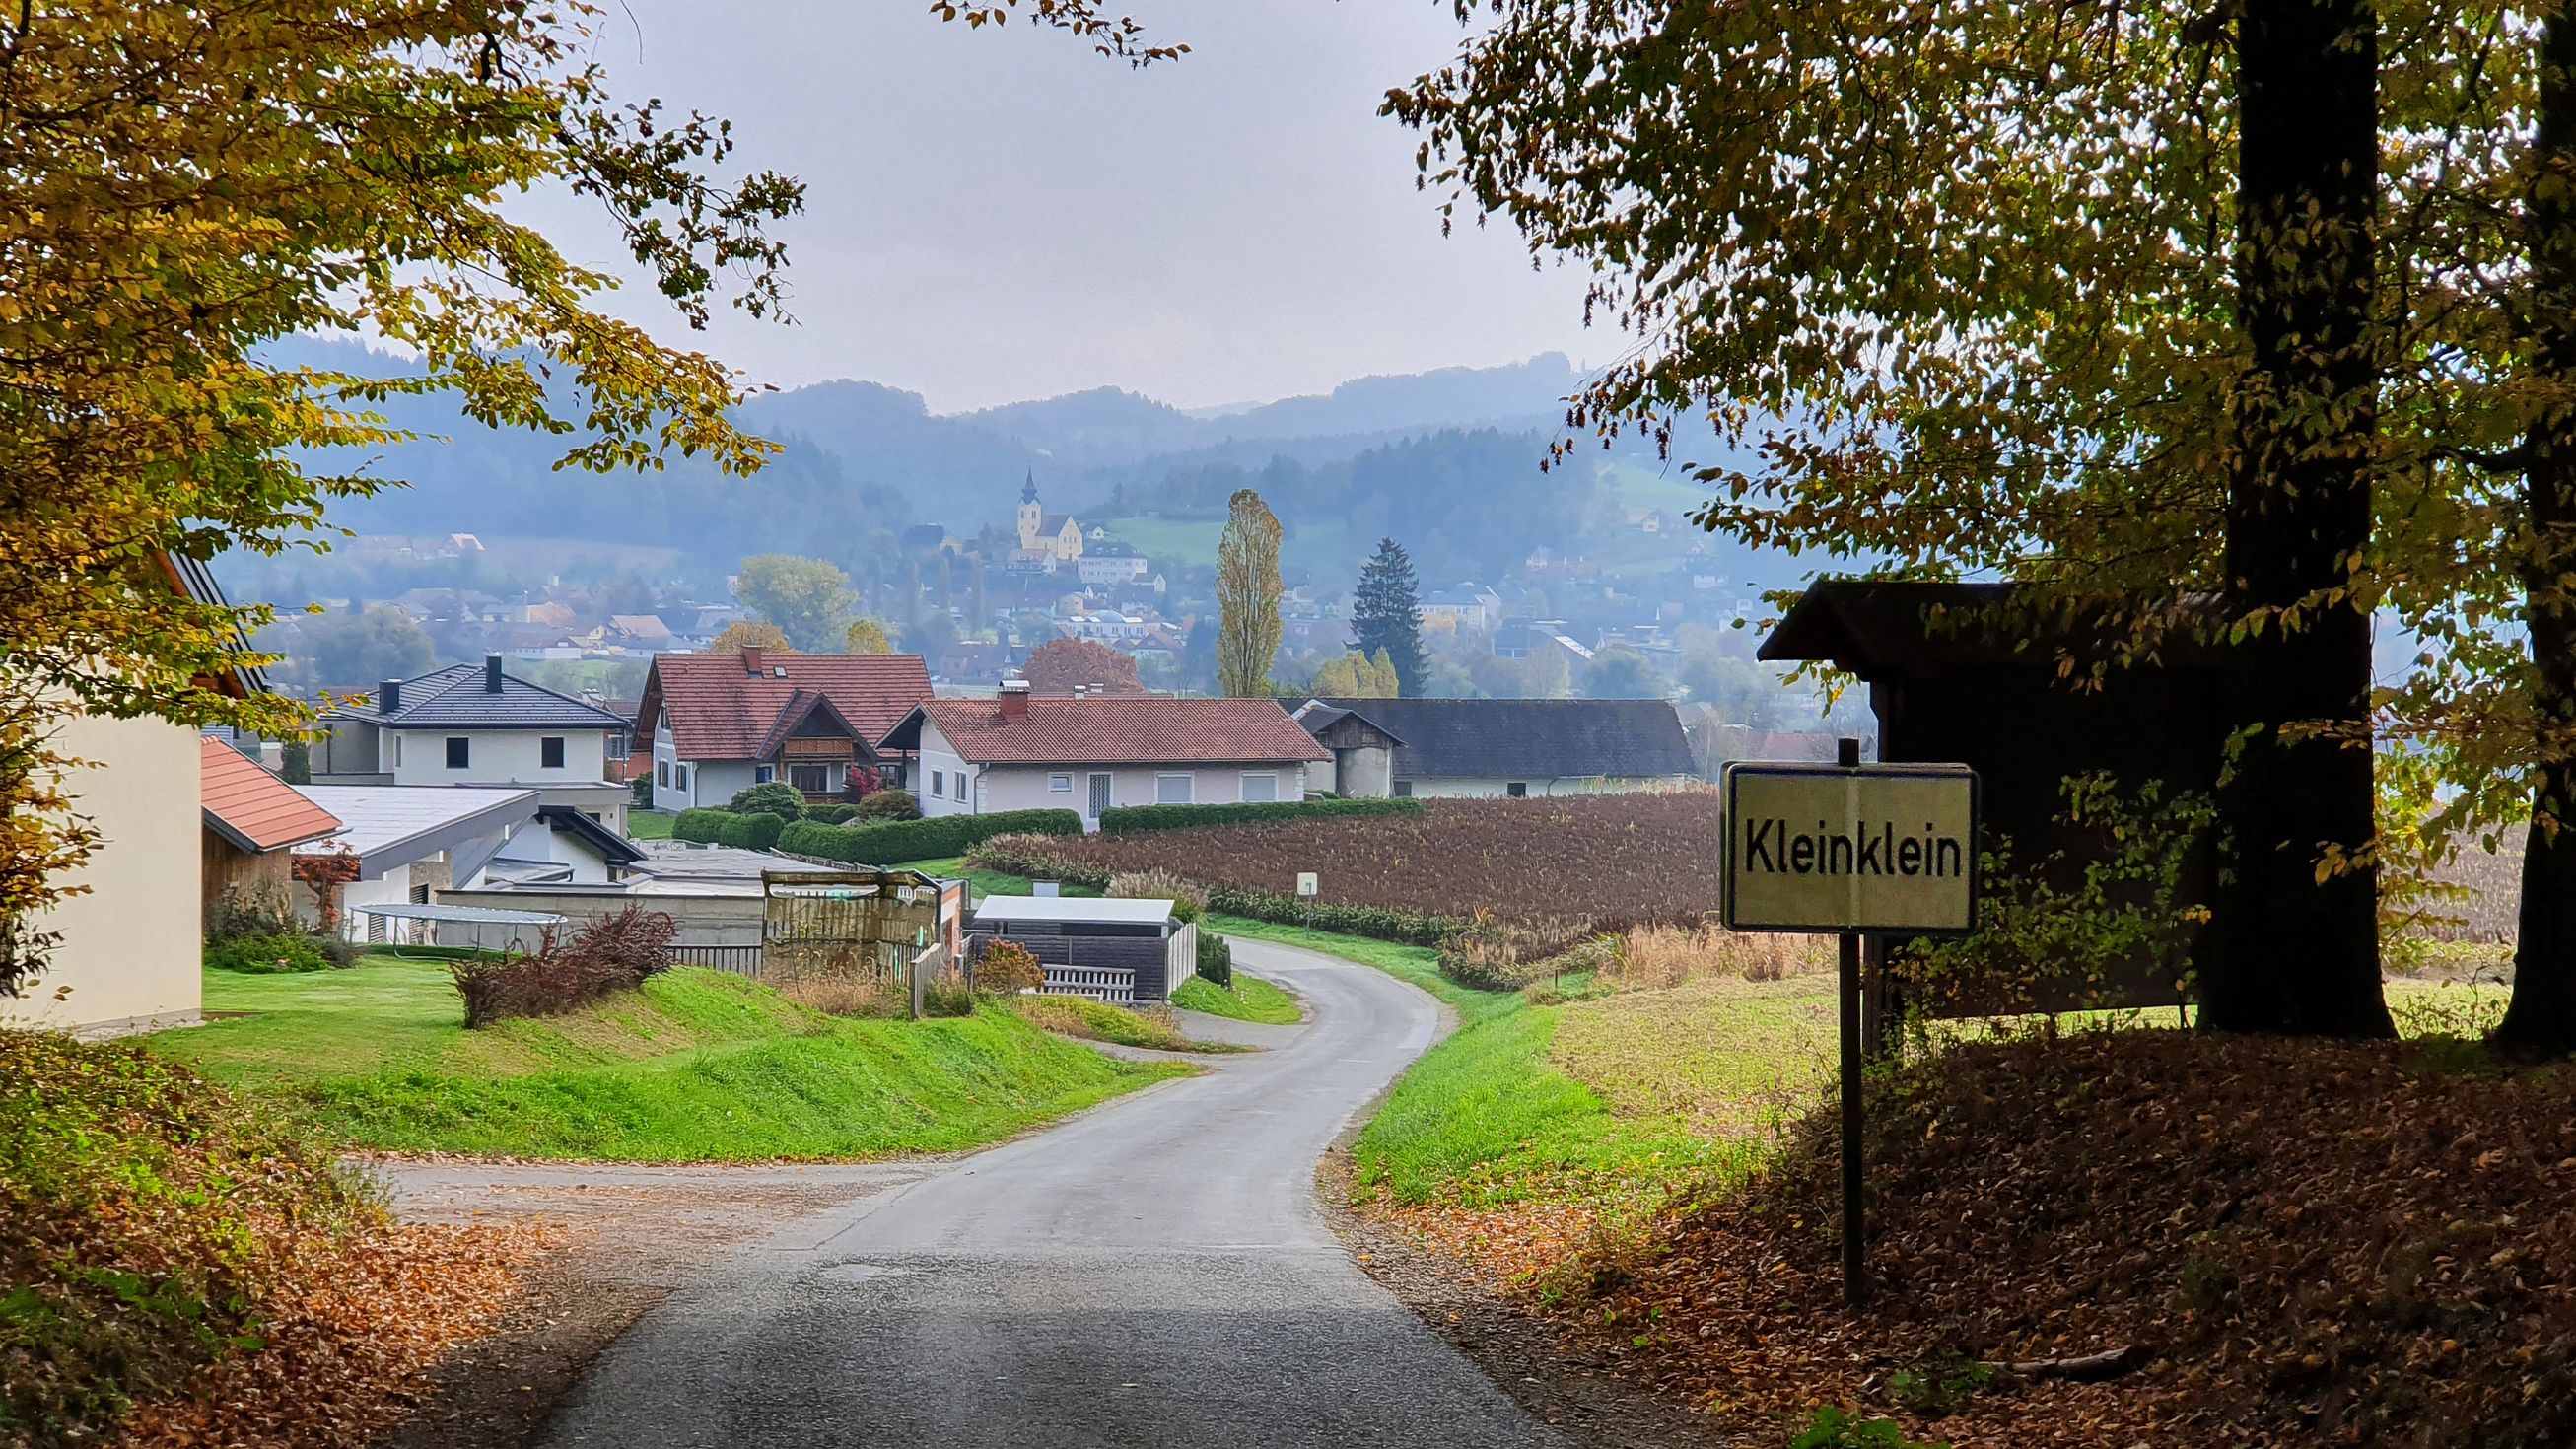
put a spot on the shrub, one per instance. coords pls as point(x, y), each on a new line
point(1139, 819)
point(242, 912)
point(889, 805)
point(770, 797)
point(613, 953)
point(947, 994)
point(723, 827)
point(1216, 958)
point(1159, 885)
point(833, 814)
point(1080, 1016)
point(919, 839)
point(151, 1224)
point(298, 952)
point(340, 951)
point(1007, 968)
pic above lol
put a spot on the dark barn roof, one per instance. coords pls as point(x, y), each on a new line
point(1523, 739)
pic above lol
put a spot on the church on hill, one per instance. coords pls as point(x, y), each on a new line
point(1053, 537)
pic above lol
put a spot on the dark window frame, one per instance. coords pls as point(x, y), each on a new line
point(460, 752)
point(550, 752)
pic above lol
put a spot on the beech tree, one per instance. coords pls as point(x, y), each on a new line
point(1247, 597)
point(2083, 298)
point(866, 636)
point(1059, 665)
point(750, 634)
point(808, 599)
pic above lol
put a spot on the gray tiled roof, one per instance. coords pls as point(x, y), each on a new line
point(1523, 739)
point(455, 698)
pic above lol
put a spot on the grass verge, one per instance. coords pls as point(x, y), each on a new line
point(1087, 1020)
point(649, 825)
point(697, 1066)
point(1249, 999)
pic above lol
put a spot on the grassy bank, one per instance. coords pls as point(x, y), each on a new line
point(649, 825)
point(698, 1066)
point(1249, 999)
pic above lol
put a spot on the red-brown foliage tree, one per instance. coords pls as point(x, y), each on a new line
point(1058, 666)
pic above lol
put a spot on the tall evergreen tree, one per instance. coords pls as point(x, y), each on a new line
point(1387, 615)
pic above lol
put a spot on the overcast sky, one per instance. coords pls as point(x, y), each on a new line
point(999, 215)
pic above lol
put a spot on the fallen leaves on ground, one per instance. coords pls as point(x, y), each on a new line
point(2306, 1243)
point(346, 1354)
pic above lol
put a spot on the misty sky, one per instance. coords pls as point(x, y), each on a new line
point(1000, 215)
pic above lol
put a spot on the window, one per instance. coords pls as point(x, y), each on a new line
point(550, 755)
point(1517, 789)
point(662, 773)
point(1060, 784)
point(938, 785)
point(460, 752)
point(763, 774)
point(1175, 789)
point(614, 745)
point(812, 779)
point(679, 777)
point(1404, 789)
point(1260, 785)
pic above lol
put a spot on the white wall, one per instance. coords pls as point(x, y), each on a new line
point(132, 948)
point(937, 754)
point(1028, 787)
point(1463, 788)
point(712, 783)
point(495, 757)
point(538, 840)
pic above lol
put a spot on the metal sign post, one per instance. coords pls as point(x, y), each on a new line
point(1852, 850)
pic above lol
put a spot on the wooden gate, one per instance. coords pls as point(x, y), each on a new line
point(853, 927)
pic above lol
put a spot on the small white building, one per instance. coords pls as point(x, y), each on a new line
point(407, 843)
point(478, 725)
point(1092, 753)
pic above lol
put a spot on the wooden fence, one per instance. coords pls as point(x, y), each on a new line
point(1111, 984)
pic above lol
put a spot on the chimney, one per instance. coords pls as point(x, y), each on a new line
point(389, 696)
point(751, 660)
point(491, 674)
point(1015, 699)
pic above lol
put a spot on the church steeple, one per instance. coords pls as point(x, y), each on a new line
point(1029, 488)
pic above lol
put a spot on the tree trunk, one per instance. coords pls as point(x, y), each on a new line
point(2541, 1020)
point(2288, 953)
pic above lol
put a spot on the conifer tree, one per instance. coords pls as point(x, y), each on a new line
point(1387, 615)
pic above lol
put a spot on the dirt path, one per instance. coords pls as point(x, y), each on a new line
point(645, 1231)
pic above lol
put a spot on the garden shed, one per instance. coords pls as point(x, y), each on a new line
point(1118, 951)
point(1977, 674)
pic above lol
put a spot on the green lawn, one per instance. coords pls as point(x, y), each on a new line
point(1249, 999)
point(649, 825)
point(698, 1066)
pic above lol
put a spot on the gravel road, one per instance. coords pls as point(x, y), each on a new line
point(1153, 1273)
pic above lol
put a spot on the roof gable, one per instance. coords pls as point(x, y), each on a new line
point(719, 710)
point(1116, 729)
point(1529, 739)
point(252, 809)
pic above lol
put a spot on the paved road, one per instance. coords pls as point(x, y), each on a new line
point(1151, 1274)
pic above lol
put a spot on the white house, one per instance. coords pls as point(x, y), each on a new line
point(1091, 753)
point(409, 842)
point(476, 725)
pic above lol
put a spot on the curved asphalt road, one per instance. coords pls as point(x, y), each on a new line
point(1153, 1273)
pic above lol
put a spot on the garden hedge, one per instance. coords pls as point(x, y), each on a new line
point(723, 827)
point(899, 841)
point(1137, 819)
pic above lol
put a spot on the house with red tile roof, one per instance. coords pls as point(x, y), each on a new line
point(1093, 752)
point(716, 724)
point(253, 821)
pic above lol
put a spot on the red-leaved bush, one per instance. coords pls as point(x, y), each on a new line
point(613, 953)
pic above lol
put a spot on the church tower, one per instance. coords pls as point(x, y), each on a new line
point(1031, 515)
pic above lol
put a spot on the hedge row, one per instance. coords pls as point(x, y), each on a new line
point(1411, 928)
point(723, 827)
point(1137, 819)
point(919, 839)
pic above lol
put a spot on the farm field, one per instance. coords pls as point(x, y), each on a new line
point(1588, 863)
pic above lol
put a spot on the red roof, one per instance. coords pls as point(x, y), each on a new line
point(1129, 729)
point(252, 808)
point(720, 710)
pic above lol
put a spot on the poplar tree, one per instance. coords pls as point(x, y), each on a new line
point(1247, 597)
